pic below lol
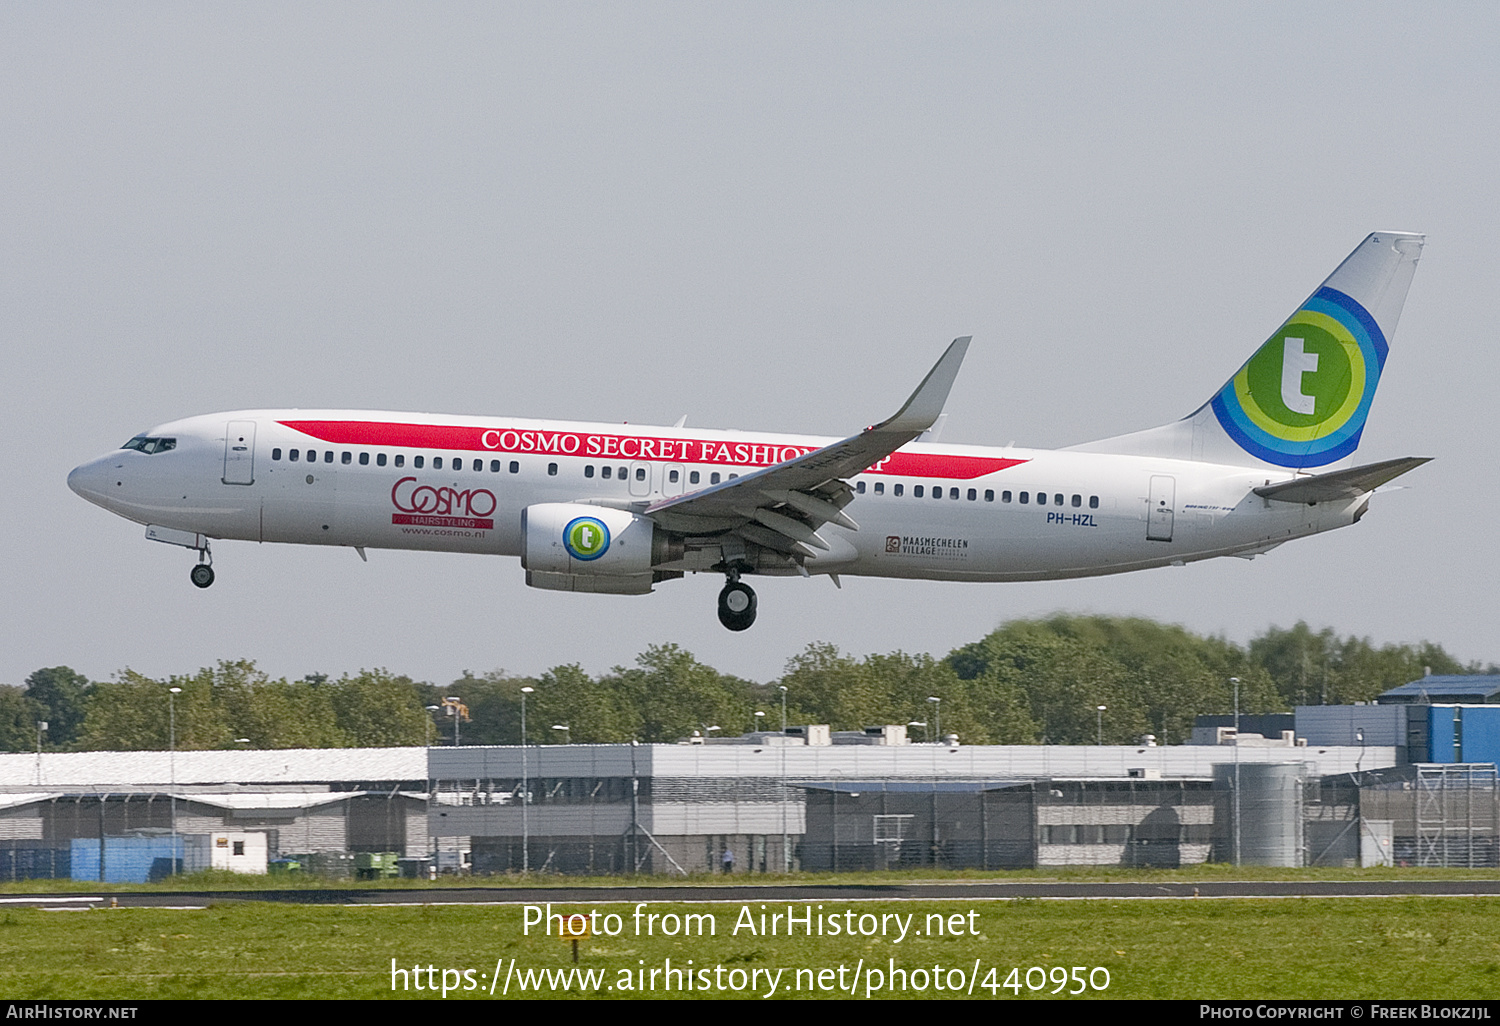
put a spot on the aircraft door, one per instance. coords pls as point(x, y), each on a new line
point(640, 478)
point(673, 476)
point(1160, 515)
point(239, 452)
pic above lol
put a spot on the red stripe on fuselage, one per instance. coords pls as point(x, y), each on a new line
point(531, 441)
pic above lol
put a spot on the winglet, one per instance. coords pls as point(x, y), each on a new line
point(926, 403)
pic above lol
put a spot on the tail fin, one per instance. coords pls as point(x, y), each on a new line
point(1302, 399)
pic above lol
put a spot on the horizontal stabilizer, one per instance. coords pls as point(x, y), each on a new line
point(1341, 484)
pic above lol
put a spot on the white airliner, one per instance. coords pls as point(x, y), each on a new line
point(610, 509)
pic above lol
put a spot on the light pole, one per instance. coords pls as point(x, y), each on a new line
point(525, 789)
point(1100, 710)
point(786, 837)
point(567, 737)
point(756, 726)
point(172, 694)
point(41, 725)
point(454, 705)
point(923, 725)
point(1236, 682)
point(937, 717)
point(431, 787)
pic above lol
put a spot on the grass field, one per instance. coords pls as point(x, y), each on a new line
point(1388, 948)
point(225, 881)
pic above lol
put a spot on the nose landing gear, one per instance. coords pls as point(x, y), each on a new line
point(737, 605)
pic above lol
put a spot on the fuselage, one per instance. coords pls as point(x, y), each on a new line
point(461, 484)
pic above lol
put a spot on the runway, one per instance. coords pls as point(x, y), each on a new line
point(965, 891)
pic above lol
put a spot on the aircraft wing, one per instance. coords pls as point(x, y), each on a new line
point(782, 506)
point(1341, 484)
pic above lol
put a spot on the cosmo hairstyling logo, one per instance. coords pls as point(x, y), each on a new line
point(586, 538)
point(1302, 399)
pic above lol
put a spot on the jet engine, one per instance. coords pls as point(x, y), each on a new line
point(592, 541)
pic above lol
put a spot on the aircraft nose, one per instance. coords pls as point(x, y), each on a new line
point(85, 479)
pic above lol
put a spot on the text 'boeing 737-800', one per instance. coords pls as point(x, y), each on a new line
point(617, 510)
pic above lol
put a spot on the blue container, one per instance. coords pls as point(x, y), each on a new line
point(126, 859)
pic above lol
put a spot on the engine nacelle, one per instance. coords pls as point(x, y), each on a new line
point(576, 539)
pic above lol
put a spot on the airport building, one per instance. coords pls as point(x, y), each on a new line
point(1399, 782)
point(207, 809)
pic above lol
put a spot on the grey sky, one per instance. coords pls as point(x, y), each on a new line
point(769, 216)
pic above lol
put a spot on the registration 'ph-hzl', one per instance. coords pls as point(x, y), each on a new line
point(617, 510)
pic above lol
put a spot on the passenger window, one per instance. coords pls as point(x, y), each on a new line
point(1025, 498)
point(605, 472)
point(478, 466)
point(953, 493)
point(312, 455)
point(1005, 496)
point(859, 486)
point(494, 466)
point(693, 477)
point(328, 456)
point(380, 459)
point(416, 461)
point(733, 476)
point(879, 487)
point(917, 491)
point(640, 473)
point(1057, 500)
point(292, 455)
point(1093, 502)
point(552, 470)
point(989, 495)
point(972, 495)
point(672, 476)
point(364, 459)
point(400, 459)
point(623, 474)
point(1077, 501)
point(437, 463)
point(515, 466)
point(897, 490)
point(275, 454)
point(346, 459)
point(588, 471)
point(714, 478)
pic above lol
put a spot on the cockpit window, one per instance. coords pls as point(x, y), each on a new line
point(150, 445)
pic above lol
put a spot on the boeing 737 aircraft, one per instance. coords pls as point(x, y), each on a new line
point(609, 509)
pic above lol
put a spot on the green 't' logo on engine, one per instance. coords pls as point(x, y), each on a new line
point(586, 538)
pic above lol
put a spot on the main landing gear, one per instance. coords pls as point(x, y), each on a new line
point(203, 574)
point(736, 604)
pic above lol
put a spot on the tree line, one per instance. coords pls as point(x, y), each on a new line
point(1027, 682)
